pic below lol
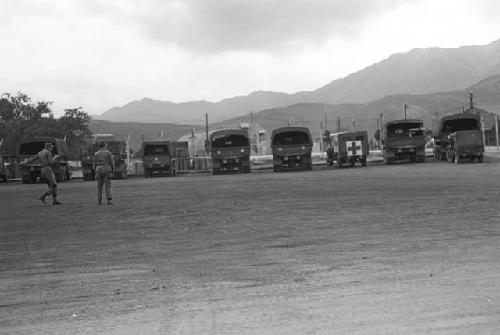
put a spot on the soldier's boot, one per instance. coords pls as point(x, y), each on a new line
point(42, 198)
point(55, 202)
point(109, 201)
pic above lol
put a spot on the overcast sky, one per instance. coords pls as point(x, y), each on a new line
point(103, 53)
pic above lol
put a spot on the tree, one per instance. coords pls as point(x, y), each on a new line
point(21, 118)
point(75, 123)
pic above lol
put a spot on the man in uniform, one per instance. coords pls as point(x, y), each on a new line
point(104, 166)
point(46, 160)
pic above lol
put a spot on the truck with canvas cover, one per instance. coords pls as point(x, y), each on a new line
point(4, 173)
point(117, 149)
point(459, 137)
point(158, 158)
point(348, 148)
point(404, 139)
point(230, 150)
point(30, 173)
point(292, 147)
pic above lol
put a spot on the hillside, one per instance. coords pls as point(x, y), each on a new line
point(419, 71)
point(429, 107)
point(140, 132)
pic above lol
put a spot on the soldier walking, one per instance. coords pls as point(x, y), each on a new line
point(46, 160)
point(104, 167)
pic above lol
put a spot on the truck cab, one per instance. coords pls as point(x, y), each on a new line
point(158, 158)
point(348, 147)
point(117, 149)
point(230, 150)
point(459, 137)
point(292, 147)
point(404, 139)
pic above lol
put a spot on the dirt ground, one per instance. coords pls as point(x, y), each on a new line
point(403, 249)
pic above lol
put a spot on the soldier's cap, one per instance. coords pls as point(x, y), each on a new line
point(48, 145)
point(102, 144)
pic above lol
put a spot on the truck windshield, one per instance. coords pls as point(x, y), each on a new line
point(291, 138)
point(227, 141)
point(32, 148)
point(451, 126)
point(156, 150)
point(405, 130)
point(114, 147)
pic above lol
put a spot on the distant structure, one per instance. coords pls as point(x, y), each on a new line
point(258, 138)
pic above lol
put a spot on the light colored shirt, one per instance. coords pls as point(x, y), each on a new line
point(104, 158)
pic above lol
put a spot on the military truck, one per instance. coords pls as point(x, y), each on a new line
point(459, 137)
point(291, 147)
point(30, 173)
point(230, 149)
point(4, 173)
point(348, 147)
point(158, 158)
point(404, 139)
point(117, 149)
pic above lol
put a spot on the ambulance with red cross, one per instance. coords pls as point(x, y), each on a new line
point(348, 148)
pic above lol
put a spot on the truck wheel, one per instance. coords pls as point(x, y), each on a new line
point(26, 179)
point(450, 156)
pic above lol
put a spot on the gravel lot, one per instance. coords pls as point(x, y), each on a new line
point(402, 249)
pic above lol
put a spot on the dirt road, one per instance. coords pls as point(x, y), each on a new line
point(403, 249)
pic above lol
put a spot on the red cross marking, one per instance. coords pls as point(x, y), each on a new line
point(354, 148)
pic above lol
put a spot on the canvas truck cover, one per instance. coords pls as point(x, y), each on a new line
point(458, 122)
point(229, 143)
point(291, 136)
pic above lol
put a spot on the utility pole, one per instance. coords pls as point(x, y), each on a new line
point(206, 133)
point(338, 125)
point(320, 136)
point(496, 132)
point(471, 100)
point(405, 106)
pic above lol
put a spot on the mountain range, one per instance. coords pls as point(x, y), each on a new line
point(364, 116)
point(417, 72)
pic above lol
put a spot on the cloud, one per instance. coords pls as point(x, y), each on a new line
point(242, 25)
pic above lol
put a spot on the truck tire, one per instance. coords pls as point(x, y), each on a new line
point(450, 155)
point(26, 179)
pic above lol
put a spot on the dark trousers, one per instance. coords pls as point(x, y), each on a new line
point(48, 176)
point(103, 179)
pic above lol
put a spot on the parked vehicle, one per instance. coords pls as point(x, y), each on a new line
point(404, 139)
point(30, 173)
point(117, 149)
point(4, 173)
point(158, 158)
point(459, 137)
point(348, 147)
point(182, 161)
point(230, 149)
point(292, 147)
